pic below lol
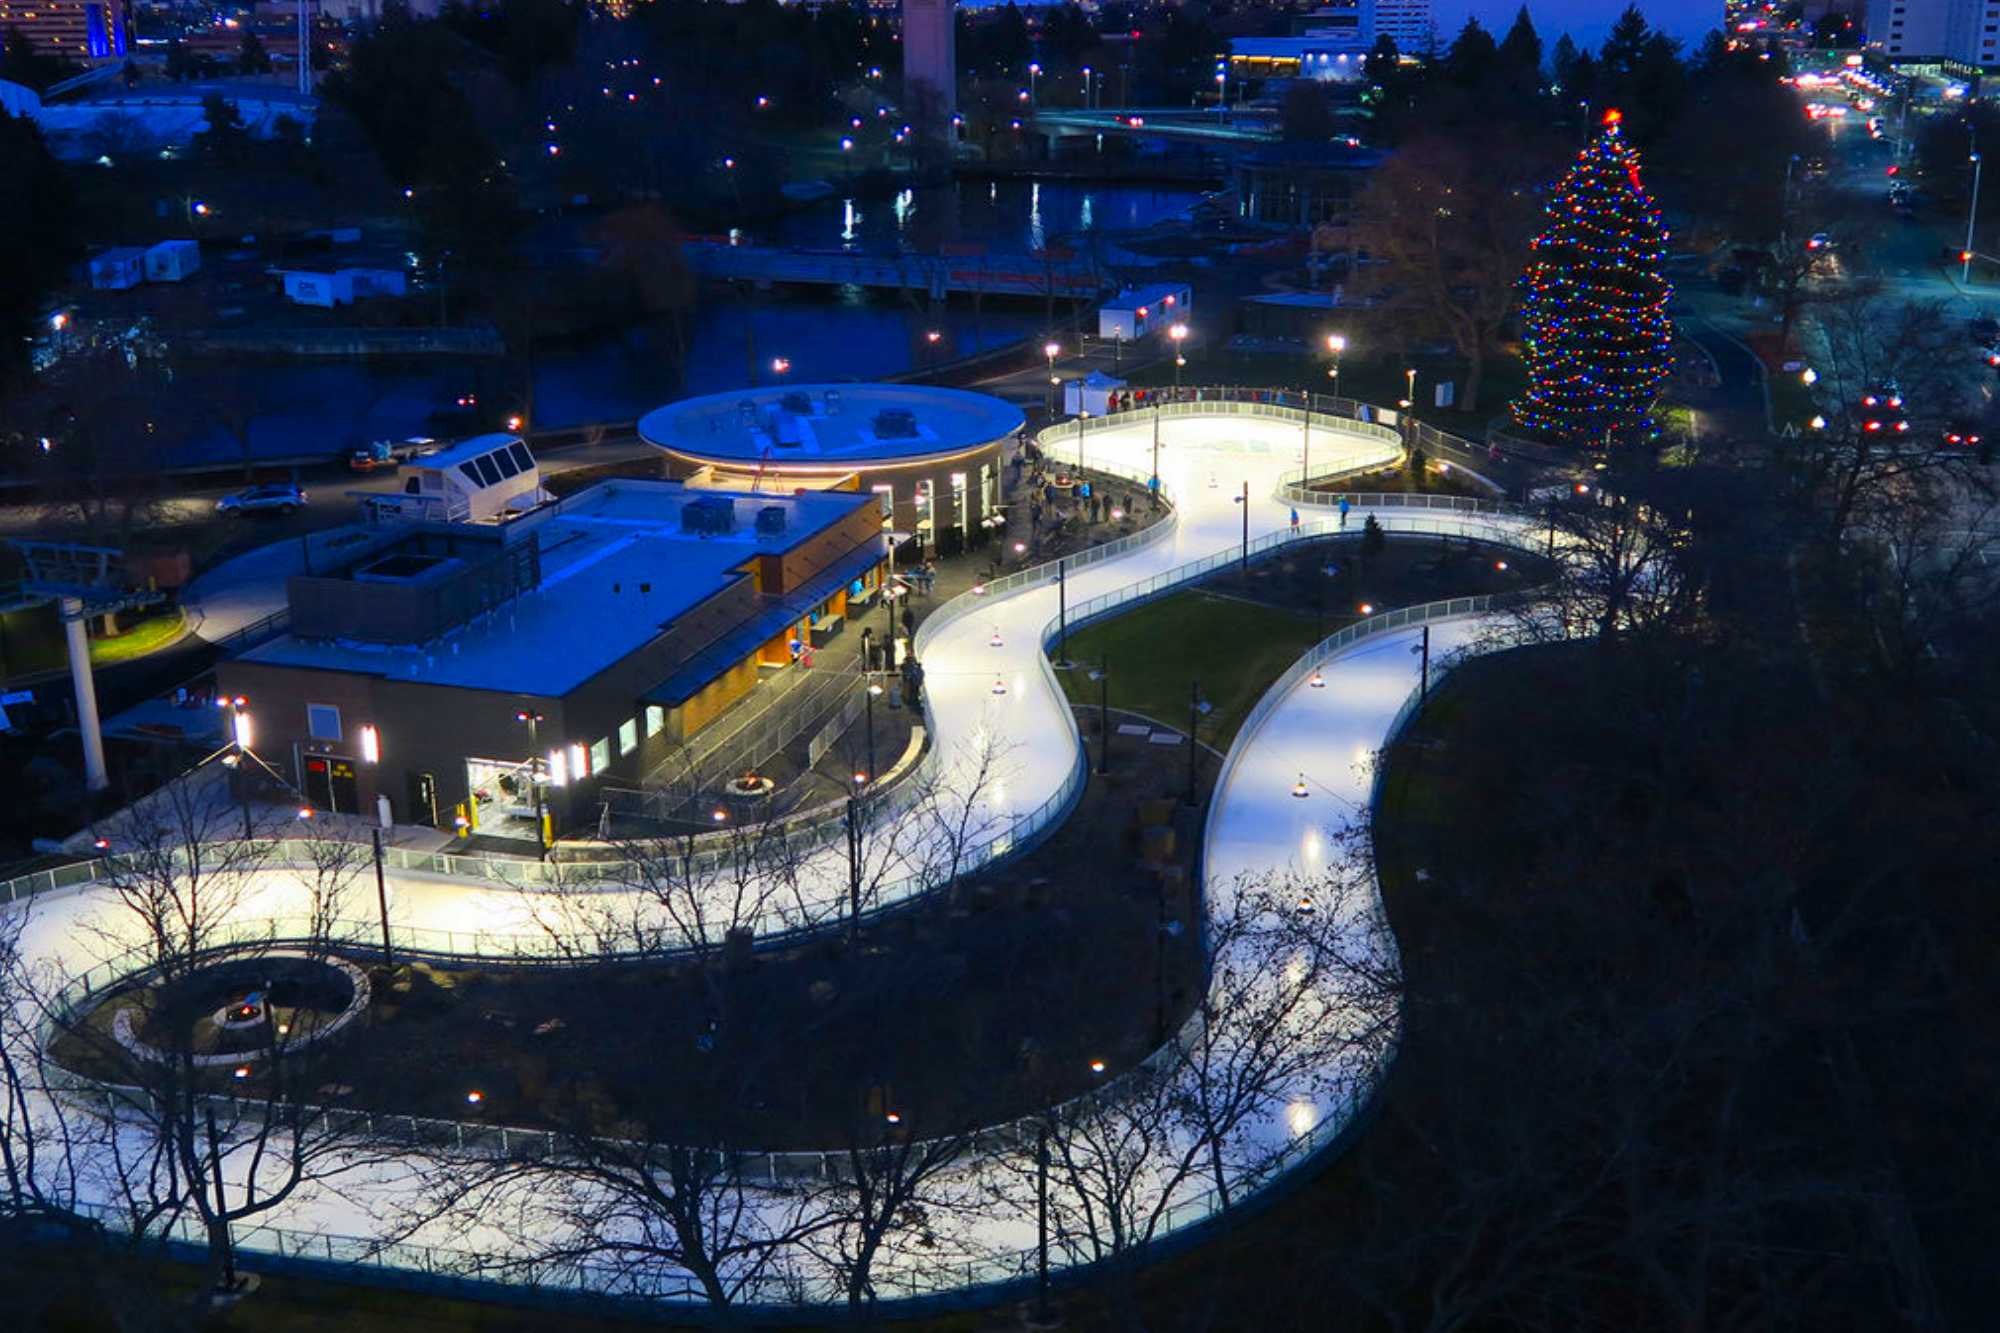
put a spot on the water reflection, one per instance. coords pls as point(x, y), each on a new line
point(323, 409)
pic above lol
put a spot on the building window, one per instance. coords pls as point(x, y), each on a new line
point(600, 755)
point(656, 719)
point(323, 722)
point(628, 736)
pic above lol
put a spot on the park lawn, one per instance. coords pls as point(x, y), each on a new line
point(1234, 648)
point(149, 635)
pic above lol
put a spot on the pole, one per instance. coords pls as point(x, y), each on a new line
point(221, 1207)
point(95, 776)
point(1062, 613)
point(1246, 527)
point(382, 902)
point(1042, 1227)
point(868, 693)
point(1194, 721)
point(1306, 459)
point(1424, 676)
point(535, 781)
point(853, 868)
point(1104, 715)
point(1156, 443)
point(1971, 215)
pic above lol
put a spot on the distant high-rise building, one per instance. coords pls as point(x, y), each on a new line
point(79, 29)
point(1407, 22)
point(1964, 31)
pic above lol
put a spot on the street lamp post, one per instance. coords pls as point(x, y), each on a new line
point(872, 690)
point(1034, 78)
point(1971, 216)
point(1178, 333)
point(534, 724)
point(1052, 350)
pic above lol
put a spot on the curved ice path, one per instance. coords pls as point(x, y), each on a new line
point(1257, 828)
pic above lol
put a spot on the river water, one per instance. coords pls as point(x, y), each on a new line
point(328, 407)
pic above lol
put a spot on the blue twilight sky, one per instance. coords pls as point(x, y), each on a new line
point(1585, 20)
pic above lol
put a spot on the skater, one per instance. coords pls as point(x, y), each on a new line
point(1295, 522)
point(1343, 511)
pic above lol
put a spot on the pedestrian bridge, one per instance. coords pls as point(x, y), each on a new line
point(1177, 124)
point(935, 275)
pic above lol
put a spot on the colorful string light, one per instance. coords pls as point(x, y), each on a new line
point(1598, 340)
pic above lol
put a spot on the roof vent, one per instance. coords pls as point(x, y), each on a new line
point(895, 423)
point(709, 515)
point(770, 520)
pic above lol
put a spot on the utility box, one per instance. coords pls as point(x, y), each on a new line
point(173, 261)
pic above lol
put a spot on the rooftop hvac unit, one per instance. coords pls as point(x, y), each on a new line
point(895, 423)
point(770, 520)
point(798, 402)
point(709, 515)
point(831, 398)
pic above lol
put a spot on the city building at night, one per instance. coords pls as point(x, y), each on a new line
point(78, 29)
point(444, 666)
point(933, 455)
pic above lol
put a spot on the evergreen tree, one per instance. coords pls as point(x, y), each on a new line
point(1470, 57)
point(1520, 58)
point(37, 238)
point(1598, 340)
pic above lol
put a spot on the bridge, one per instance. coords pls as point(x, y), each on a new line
point(934, 275)
point(1175, 123)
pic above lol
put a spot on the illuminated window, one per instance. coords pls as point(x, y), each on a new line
point(628, 736)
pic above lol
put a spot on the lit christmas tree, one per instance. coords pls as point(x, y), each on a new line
point(1599, 343)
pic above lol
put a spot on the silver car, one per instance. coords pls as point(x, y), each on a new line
point(263, 500)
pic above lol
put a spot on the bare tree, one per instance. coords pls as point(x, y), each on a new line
point(1621, 547)
point(1871, 348)
point(188, 1132)
point(1452, 218)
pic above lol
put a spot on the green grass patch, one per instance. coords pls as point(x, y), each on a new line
point(1234, 648)
point(147, 636)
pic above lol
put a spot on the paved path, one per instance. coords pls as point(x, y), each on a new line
point(989, 687)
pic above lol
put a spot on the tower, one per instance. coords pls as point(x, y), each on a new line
point(930, 66)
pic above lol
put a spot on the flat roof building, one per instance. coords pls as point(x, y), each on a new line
point(934, 454)
point(625, 618)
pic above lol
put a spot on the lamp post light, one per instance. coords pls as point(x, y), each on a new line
point(1971, 216)
point(239, 739)
point(1034, 79)
point(1052, 350)
point(533, 721)
point(1335, 345)
point(1087, 103)
point(1178, 333)
point(1410, 379)
point(873, 690)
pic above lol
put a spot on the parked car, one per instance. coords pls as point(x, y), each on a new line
point(263, 500)
point(1882, 410)
point(1819, 240)
point(1963, 433)
point(389, 453)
